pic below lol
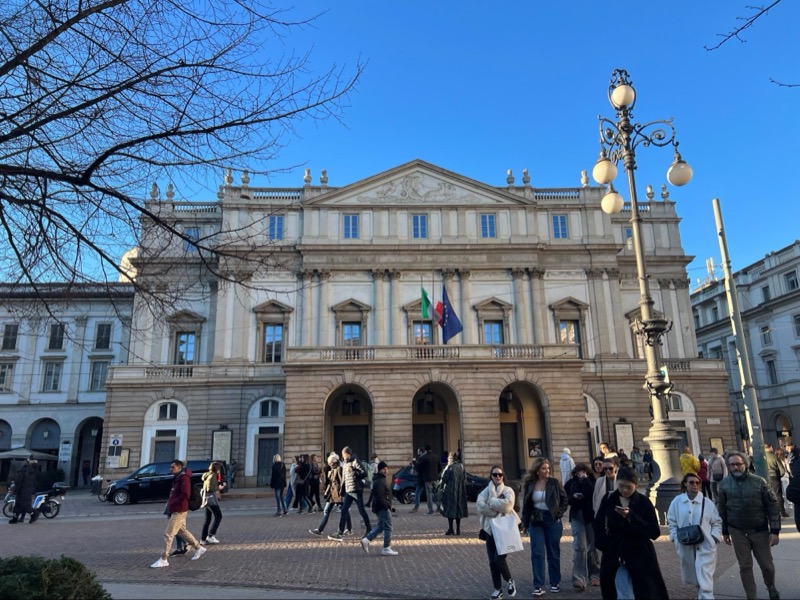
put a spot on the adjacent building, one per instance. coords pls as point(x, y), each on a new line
point(323, 341)
point(769, 302)
point(57, 343)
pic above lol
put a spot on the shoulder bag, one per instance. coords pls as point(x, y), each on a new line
point(692, 535)
point(506, 534)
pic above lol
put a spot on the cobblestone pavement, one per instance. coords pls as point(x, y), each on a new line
point(260, 551)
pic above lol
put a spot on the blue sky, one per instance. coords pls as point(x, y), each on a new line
point(479, 87)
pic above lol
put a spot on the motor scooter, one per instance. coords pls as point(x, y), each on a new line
point(48, 503)
point(9, 501)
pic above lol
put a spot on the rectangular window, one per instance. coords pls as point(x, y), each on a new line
point(102, 336)
point(273, 342)
point(10, 333)
point(351, 334)
point(570, 333)
point(350, 227)
point(765, 295)
point(791, 281)
point(488, 226)
point(696, 321)
point(6, 372)
point(796, 320)
point(52, 377)
point(493, 332)
point(766, 335)
point(419, 227)
point(56, 341)
point(422, 333)
point(560, 227)
point(193, 236)
point(99, 374)
point(628, 233)
point(772, 372)
point(185, 348)
point(276, 227)
point(714, 314)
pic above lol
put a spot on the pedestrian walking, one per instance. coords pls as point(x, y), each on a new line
point(698, 561)
point(292, 483)
point(751, 521)
point(566, 465)
point(25, 481)
point(334, 491)
point(638, 462)
point(313, 485)
point(780, 453)
point(605, 484)
point(277, 481)
point(373, 468)
point(544, 503)
point(647, 458)
point(579, 489)
point(420, 487)
point(302, 474)
point(689, 463)
point(775, 472)
point(453, 487)
point(705, 482)
point(177, 508)
point(211, 496)
point(626, 526)
point(353, 475)
point(428, 467)
point(716, 472)
point(497, 499)
point(793, 489)
point(86, 470)
point(382, 507)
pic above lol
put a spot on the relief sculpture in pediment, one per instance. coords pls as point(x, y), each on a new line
point(412, 189)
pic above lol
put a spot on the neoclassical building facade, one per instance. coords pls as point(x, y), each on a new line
point(322, 342)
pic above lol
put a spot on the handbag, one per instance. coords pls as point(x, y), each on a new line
point(692, 535)
point(506, 534)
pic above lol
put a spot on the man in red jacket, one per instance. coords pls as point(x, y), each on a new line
point(177, 507)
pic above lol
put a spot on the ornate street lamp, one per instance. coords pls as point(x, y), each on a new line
point(618, 142)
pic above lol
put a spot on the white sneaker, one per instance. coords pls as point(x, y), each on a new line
point(198, 553)
point(389, 552)
point(365, 544)
point(212, 540)
point(161, 562)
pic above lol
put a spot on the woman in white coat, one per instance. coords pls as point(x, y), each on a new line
point(497, 499)
point(697, 562)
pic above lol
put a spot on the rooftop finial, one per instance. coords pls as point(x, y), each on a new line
point(245, 178)
point(526, 178)
point(585, 178)
point(228, 179)
point(154, 191)
point(170, 192)
point(323, 177)
point(510, 177)
point(307, 177)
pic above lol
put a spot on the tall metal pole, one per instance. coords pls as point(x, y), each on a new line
point(751, 414)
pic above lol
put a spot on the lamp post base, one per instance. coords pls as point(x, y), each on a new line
point(667, 475)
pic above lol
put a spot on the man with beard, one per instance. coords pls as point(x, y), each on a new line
point(751, 521)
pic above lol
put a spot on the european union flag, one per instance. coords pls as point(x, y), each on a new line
point(450, 323)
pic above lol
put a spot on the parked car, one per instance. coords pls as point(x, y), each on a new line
point(152, 482)
point(404, 483)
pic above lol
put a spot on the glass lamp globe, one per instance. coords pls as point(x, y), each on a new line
point(604, 171)
point(623, 95)
point(612, 202)
point(679, 173)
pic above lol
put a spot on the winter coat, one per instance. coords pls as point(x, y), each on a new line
point(453, 485)
point(602, 487)
point(697, 562)
point(428, 467)
point(746, 503)
point(716, 466)
point(277, 480)
point(210, 481)
point(689, 463)
point(381, 493)
point(354, 474)
point(775, 468)
point(26, 488)
point(554, 496)
point(566, 465)
point(703, 472)
point(793, 490)
point(178, 501)
point(493, 501)
point(583, 506)
point(628, 541)
point(333, 483)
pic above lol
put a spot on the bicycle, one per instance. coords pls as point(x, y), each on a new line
point(102, 495)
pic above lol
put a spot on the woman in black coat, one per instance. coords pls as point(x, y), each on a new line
point(625, 526)
point(277, 482)
point(580, 489)
point(453, 486)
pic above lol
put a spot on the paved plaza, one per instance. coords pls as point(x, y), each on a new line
point(261, 556)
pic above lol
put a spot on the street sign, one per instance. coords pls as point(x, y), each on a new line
point(116, 440)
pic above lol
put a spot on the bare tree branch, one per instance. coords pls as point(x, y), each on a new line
point(748, 23)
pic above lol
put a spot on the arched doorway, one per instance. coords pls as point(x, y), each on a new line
point(523, 434)
point(594, 431)
point(436, 420)
point(45, 436)
point(683, 419)
point(87, 452)
point(348, 421)
point(265, 421)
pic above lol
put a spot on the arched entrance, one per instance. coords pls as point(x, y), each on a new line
point(5, 444)
point(683, 419)
point(594, 431)
point(45, 436)
point(522, 432)
point(86, 452)
point(436, 420)
point(265, 421)
point(348, 421)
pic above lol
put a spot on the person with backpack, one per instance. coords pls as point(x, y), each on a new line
point(716, 472)
point(354, 477)
point(177, 507)
point(211, 495)
point(302, 475)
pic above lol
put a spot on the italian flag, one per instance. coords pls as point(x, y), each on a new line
point(426, 307)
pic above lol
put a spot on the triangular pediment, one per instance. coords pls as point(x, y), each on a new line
point(421, 184)
point(492, 303)
point(273, 306)
point(350, 306)
point(185, 316)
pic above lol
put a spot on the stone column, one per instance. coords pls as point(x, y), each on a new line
point(395, 315)
point(378, 321)
point(468, 335)
point(540, 311)
point(599, 322)
point(324, 337)
point(307, 294)
point(78, 354)
point(520, 331)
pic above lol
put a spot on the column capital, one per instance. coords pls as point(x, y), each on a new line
point(448, 274)
point(594, 273)
point(395, 275)
point(536, 272)
point(378, 274)
point(517, 272)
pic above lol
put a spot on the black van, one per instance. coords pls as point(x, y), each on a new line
point(152, 482)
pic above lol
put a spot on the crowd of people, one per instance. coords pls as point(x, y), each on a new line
point(613, 527)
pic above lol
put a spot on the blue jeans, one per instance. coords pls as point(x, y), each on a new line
point(417, 492)
point(289, 495)
point(349, 498)
point(583, 565)
point(280, 500)
point(384, 525)
point(326, 513)
point(545, 540)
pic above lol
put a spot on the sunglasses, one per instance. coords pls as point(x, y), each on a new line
point(497, 474)
point(608, 468)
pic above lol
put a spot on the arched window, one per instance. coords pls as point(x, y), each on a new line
point(270, 408)
point(167, 411)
